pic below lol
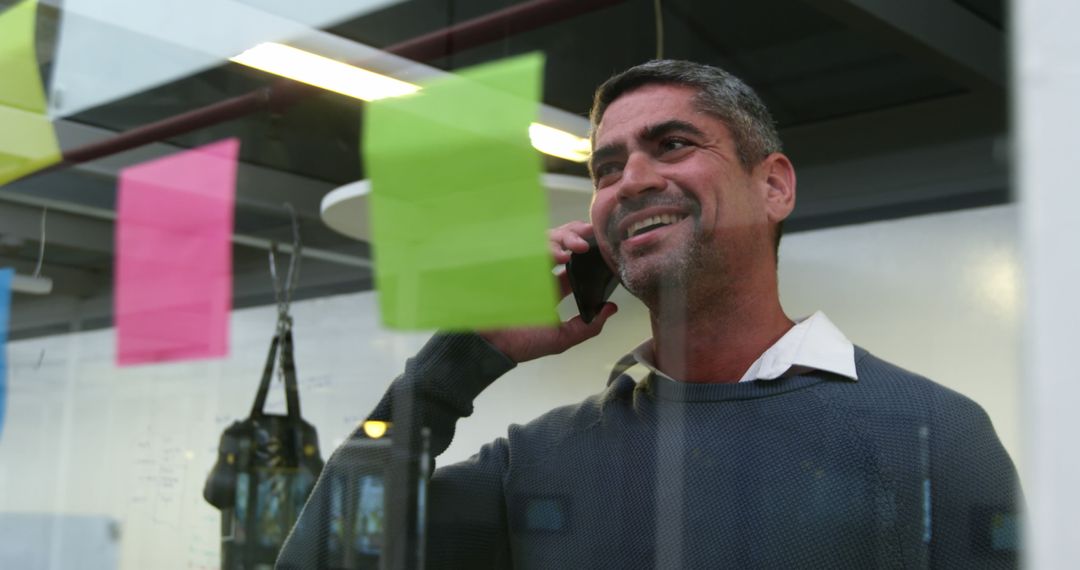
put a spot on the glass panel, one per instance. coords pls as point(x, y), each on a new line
point(230, 230)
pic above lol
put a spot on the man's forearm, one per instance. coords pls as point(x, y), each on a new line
point(443, 379)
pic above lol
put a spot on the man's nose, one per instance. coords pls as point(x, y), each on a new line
point(640, 175)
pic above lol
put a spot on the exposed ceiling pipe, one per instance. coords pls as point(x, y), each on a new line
point(283, 92)
point(238, 239)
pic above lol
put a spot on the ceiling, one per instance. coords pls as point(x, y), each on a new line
point(886, 108)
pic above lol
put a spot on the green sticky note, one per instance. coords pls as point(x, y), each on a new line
point(458, 217)
point(27, 139)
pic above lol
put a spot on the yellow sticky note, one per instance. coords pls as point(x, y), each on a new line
point(458, 217)
point(27, 139)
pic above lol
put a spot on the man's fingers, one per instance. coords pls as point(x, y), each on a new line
point(576, 331)
point(524, 344)
point(559, 254)
point(569, 238)
point(563, 245)
point(576, 243)
point(577, 227)
point(606, 311)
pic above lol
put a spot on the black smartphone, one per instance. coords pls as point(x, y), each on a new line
point(591, 280)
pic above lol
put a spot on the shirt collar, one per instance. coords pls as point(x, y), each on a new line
point(814, 343)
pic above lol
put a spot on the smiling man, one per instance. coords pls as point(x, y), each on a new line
point(753, 441)
point(708, 267)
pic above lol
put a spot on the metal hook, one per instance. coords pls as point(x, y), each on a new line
point(283, 291)
point(297, 247)
point(37, 270)
point(41, 246)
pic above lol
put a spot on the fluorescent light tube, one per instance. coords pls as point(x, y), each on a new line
point(31, 285)
point(323, 72)
point(353, 81)
point(562, 144)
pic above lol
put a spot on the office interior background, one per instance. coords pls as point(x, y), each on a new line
point(935, 226)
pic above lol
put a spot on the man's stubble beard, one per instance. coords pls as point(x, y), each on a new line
point(675, 274)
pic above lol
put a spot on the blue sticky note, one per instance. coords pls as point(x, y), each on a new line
point(6, 275)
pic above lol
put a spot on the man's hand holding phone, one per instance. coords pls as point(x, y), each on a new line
point(525, 344)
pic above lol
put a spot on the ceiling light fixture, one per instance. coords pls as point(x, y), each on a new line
point(353, 81)
point(31, 285)
point(562, 144)
point(323, 72)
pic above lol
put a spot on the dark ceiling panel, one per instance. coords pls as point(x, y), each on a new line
point(807, 67)
point(837, 91)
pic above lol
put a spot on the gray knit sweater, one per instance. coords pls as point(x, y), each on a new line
point(810, 471)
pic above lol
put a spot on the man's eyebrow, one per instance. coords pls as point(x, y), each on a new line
point(605, 152)
point(653, 132)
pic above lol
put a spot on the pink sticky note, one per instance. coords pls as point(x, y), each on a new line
point(173, 288)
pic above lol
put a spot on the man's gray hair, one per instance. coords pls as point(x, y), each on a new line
point(720, 94)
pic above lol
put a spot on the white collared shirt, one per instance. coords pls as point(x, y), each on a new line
point(814, 343)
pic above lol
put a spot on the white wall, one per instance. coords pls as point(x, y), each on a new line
point(1045, 88)
point(936, 294)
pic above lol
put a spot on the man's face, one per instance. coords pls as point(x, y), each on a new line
point(672, 202)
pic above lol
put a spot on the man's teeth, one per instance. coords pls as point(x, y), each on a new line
point(661, 220)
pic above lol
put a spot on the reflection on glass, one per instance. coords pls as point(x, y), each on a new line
point(369, 515)
point(734, 438)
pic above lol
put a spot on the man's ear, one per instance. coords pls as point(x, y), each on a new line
point(778, 178)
